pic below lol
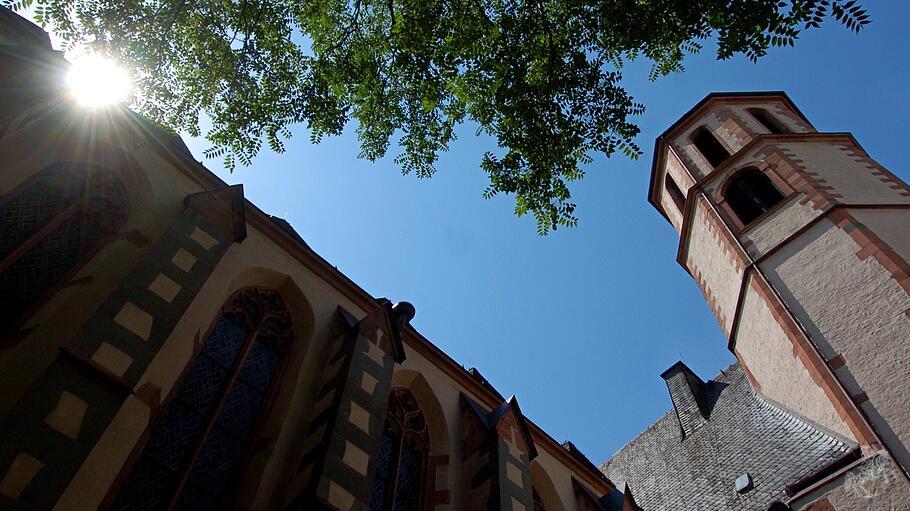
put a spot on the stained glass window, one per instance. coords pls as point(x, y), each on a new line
point(383, 470)
point(402, 461)
point(48, 227)
point(198, 444)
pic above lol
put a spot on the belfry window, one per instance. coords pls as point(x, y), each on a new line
point(674, 192)
point(767, 120)
point(709, 147)
point(49, 227)
point(750, 193)
point(401, 466)
point(197, 446)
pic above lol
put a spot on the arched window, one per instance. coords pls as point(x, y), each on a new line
point(197, 446)
point(750, 193)
point(48, 227)
point(709, 147)
point(402, 460)
point(674, 192)
point(767, 120)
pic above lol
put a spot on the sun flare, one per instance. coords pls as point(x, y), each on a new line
point(97, 81)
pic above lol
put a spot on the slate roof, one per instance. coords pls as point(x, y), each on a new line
point(745, 432)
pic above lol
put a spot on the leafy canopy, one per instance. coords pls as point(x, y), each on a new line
point(541, 76)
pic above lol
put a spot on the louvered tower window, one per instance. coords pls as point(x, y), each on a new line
point(750, 193)
point(49, 227)
point(403, 453)
point(709, 147)
point(197, 446)
point(767, 120)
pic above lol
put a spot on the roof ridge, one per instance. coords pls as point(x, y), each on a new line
point(639, 435)
point(723, 377)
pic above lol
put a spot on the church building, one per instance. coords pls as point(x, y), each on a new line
point(800, 243)
point(167, 345)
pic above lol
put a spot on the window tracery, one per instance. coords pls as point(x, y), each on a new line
point(403, 454)
point(51, 225)
point(197, 446)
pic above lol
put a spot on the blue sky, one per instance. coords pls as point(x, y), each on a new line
point(579, 325)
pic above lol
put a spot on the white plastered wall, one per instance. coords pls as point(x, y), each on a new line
point(709, 258)
point(852, 180)
point(891, 225)
point(853, 308)
point(763, 346)
point(771, 230)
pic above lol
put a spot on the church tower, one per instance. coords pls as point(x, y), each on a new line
point(800, 243)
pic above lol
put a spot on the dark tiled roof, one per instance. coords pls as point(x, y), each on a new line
point(745, 433)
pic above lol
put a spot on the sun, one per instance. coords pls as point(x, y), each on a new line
point(97, 81)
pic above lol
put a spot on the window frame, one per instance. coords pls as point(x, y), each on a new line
point(94, 180)
point(282, 348)
point(704, 129)
point(768, 121)
point(400, 434)
point(729, 214)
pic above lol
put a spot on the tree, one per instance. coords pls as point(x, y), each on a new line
point(541, 76)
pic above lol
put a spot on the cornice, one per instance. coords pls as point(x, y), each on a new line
point(359, 297)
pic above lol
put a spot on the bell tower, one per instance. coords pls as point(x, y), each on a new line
point(800, 243)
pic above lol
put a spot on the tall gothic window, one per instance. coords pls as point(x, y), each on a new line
point(767, 120)
point(403, 453)
point(751, 193)
point(199, 442)
point(709, 147)
point(48, 227)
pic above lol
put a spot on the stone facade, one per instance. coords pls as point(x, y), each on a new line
point(797, 239)
point(165, 344)
point(680, 463)
point(185, 350)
